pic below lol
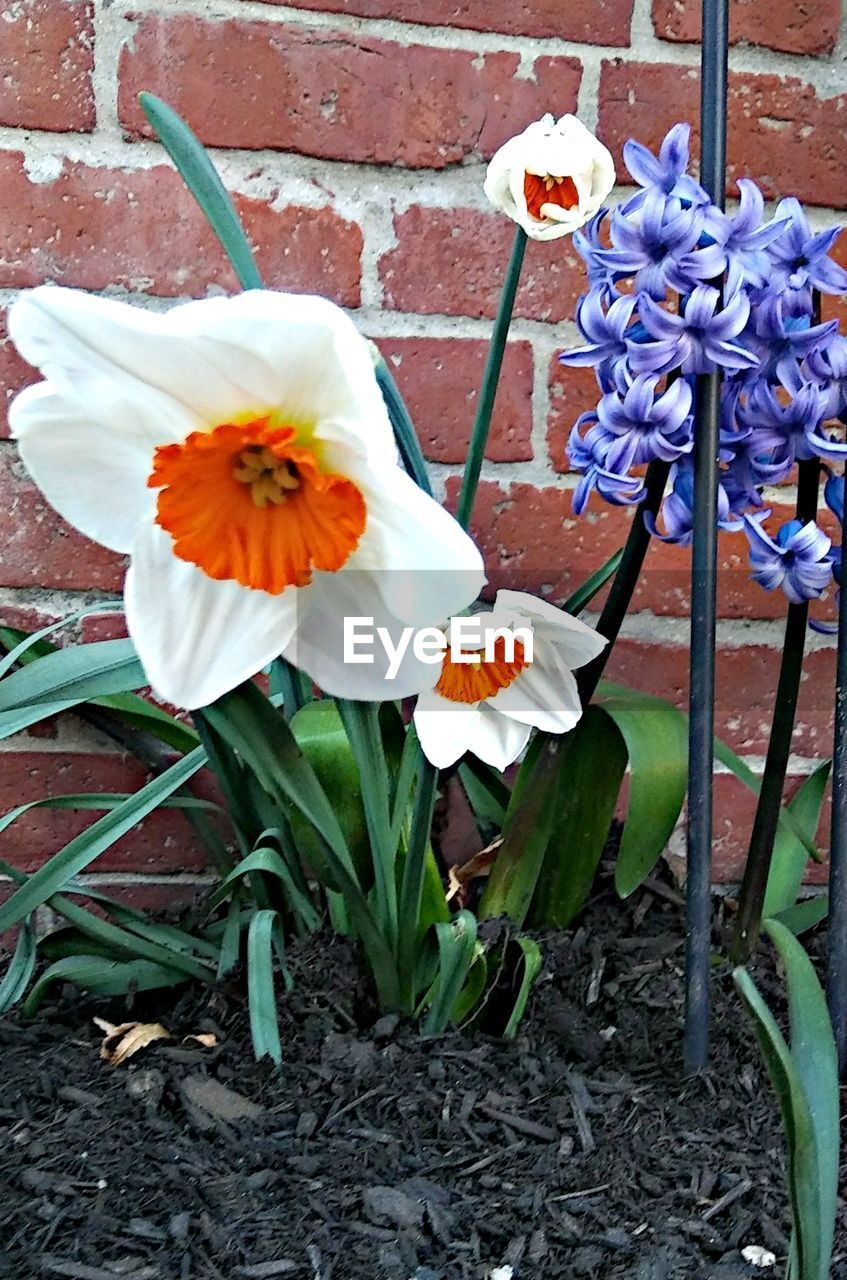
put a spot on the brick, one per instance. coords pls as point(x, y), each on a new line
point(532, 542)
point(835, 308)
point(587, 21)
point(572, 392)
point(163, 842)
point(452, 262)
point(15, 374)
point(141, 230)
point(38, 549)
point(782, 134)
point(745, 678)
point(735, 806)
point(811, 27)
point(440, 379)
point(323, 93)
point(46, 60)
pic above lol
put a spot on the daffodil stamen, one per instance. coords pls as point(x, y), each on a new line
point(268, 478)
point(543, 189)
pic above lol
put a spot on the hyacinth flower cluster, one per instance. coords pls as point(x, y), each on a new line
point(653, 319)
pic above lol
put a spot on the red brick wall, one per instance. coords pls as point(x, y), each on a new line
point(353, 134)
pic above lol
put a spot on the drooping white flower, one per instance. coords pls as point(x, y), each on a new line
point(489, 707)
point(551, 178)
point(239, 451)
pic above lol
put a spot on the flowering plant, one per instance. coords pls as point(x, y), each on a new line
point(262, 474)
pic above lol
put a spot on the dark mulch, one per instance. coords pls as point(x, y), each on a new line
point(578, 1151)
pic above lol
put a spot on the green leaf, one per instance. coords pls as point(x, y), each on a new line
point(266, 744)
point(405, 435)
point(805, 1079)
point(488, 797)
point(456, 953)
point(753, 782)
point(472, 992)
point(200, 176)
point(656, 738)
point(589, 782)
point(526, 832)
point(75, 674)
point(102, 977)
point(268, 861)
point(530, 969)
point(583, 595)
point(261, 995)
point(101, 835)
point(24, 646)
point(804, 915)
point(790, 855)
point(17, 977)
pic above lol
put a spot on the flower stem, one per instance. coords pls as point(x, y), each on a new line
point(757, 869)
point(490, 379)
point(836, 946)
point(411, 889)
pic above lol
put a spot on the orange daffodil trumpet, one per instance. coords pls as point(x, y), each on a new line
point(551, 178)
point(524, 680)
point(239, 451)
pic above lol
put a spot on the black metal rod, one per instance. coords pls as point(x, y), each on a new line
point(713, 102)
point(836, 965)
point(754, 884)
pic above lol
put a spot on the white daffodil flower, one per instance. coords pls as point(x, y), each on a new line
point(489, 707)
point(239, 451)
point(551, 178)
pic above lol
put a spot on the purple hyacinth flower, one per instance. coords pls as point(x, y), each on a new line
point(640, 426)
point(697, 341)
point(799, 560)
point(782, 339)
point(589, 246)
point(586, 454)
point(677, 510)
point(800, 258)
point(827, 368)
point(647, 241)
point(780, 433)
point(833, 496)
point(741, 241)
point(605, 330)
point(667, 172)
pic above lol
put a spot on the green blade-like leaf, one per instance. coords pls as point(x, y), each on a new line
point(488, 797)
point(21, 644)
point(77, 674)
point(532, 965)
point(404, 432)
point(804, 915)
point(456, 952)
point(590, 778)
point(361, 724)
point(17, 977)
point(790, 856)
point(526, 832)
point(261, 995)
point(656, 738)
point(268, 861)
point(202, 179)
point(102, 977)
point(726, 756)
point(132, 943)
point(101, 835)
point(583, 595)
point(814, 1055)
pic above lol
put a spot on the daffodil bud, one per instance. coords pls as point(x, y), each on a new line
point(551, 178)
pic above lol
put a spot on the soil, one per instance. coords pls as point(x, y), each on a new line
point(577, 1150)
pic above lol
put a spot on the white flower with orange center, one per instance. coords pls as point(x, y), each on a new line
point(238, 449)
point(551, 178)
point(489, 706)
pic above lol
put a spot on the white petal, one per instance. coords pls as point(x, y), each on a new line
point(445, 729)
point(544, 695)
point(92, 466)
point(575, 641)
point(198, 638)
point(217, 358)
point(425, 566)
point(318, 645)
point(498, 740)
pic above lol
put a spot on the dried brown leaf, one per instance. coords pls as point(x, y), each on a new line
point(122, 1040)
point(205, 1038)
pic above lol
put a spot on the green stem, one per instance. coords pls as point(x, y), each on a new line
point(404, 429)
point(754, 884)
point(490, 379)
